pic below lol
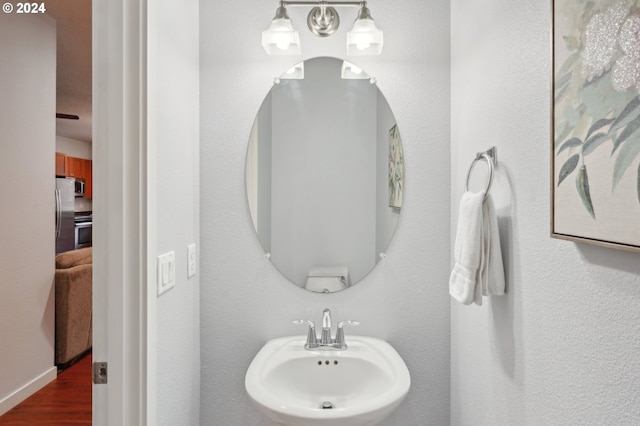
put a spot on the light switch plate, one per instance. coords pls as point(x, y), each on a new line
point(166, 272)
point(191, 260)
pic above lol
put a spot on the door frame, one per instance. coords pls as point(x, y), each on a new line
point(124, 300)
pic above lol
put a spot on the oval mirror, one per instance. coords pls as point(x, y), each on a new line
point(324, 174)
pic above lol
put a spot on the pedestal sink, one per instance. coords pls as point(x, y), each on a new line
point(358, 386)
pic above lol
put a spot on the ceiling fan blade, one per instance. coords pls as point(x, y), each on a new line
point(67, 116)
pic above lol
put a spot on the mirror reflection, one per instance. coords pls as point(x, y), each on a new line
point(324, 174)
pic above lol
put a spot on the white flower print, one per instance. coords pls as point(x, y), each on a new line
point(626, 71)
point(601, 39)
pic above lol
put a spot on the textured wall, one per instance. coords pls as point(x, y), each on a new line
point(244, 300)
point(563, 346)
point(173, 122)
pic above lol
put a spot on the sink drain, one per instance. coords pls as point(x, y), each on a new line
point(327, 405)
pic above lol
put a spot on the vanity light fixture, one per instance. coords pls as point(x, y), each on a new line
point(364, 38)
point(323, 20)
point(281, 38)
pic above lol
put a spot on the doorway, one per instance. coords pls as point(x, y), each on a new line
point(74, 141)
point(56, 63)
point(123, 309)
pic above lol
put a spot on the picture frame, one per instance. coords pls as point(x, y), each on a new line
point(595, 116)
point(396, 168)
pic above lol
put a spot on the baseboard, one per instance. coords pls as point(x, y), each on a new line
point(28, 389)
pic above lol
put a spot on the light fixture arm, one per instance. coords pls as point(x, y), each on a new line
point(281, 11)
point(323, 20)
point(326, 3)
point(364, 12)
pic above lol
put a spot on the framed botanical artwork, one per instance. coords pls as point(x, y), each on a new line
point(396, 168)
point(595, 155)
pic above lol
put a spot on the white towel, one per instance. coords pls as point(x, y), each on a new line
point(492, 277)
point(478, 268)
point(467, 252)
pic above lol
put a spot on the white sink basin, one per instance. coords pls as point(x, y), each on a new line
point(361, 384)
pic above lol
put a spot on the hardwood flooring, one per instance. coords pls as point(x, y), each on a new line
point(64, 402)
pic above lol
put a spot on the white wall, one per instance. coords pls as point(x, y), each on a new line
point(27, 152)
point(74, 147)
point(174, 136)
point(244, 300)
point(563, 346)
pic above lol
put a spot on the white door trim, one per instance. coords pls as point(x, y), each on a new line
point(123, 308)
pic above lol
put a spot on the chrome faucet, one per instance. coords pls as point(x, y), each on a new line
point(325, 339)
point(326, 328)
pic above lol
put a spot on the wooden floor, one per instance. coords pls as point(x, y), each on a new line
point(64, 402)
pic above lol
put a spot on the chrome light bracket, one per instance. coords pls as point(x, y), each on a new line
point(323, 20)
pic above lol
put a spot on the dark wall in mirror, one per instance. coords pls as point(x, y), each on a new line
point(324, 175)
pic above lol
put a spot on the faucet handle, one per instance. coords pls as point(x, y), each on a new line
point(348, 322)
point(340, 344)
point(312, 340)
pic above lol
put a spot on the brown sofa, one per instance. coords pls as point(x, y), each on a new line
point(73, 304)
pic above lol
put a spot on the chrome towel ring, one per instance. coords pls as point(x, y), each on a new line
point(491, 157)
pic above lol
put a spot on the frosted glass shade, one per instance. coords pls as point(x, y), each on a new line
point(296, 72)
point(352, 72)
point(281, 38)
point(364, 38)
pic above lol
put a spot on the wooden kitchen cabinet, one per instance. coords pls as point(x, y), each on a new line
point(79, 168)
point(61, 164)
point(76, 167)
point(88, 179)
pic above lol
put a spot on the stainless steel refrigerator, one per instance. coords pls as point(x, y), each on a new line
point(65, 211)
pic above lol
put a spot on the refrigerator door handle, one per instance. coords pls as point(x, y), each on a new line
point(58, 213)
